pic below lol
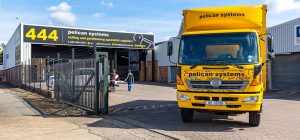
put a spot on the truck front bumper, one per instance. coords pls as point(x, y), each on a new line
point(234, 102)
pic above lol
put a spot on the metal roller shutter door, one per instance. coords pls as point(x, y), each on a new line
point(286, 72)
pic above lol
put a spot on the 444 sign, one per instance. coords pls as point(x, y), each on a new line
point(42, 34)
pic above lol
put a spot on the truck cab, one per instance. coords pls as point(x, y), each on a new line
point(222, 61)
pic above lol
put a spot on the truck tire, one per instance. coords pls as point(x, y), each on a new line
point(254, 118)
point(187, 115)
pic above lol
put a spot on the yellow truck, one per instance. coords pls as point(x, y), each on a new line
point(222, 61)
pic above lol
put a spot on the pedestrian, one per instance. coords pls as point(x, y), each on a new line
point(130, 80)
point(113, 77)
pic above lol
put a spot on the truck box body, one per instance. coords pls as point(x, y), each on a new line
point(222, 18)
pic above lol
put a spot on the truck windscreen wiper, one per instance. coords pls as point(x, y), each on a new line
point(194, 66)
point(227, 63)
point(219, 62)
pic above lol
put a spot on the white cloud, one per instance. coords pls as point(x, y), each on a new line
point(98, 14)
point(65, 18)
point(61, 14)
point(65, 7)
point(280, 6)
point(107, 4)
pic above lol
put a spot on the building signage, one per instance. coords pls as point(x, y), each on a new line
point(297, 35)
point(1, 56)
point(82, 37)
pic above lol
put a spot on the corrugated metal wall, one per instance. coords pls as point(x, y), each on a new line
point(284, 37)
point(286, 72)
point(285, 67)
point(173, 74)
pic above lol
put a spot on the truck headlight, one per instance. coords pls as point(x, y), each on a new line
point(250, 99)
point(183, 97)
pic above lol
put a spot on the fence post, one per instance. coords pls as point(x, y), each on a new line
point(41, 59)
point(59, 86)
point(97, 82)
point(33, 72)
point(30, 71)
point(26, 74)
point(22, 78)
point(55, 79)
point(73, 73)
point(47, 75)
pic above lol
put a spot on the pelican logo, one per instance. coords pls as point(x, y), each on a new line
point(216, 82)
point(142, 40)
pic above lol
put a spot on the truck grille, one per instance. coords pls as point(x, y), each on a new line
point(226, 85)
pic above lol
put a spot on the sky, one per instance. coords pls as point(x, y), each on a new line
point(160, 17)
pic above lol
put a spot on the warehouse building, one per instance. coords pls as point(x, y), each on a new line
point(285, 68)
point(31, 44)
point(165, 71)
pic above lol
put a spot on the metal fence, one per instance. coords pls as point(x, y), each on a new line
point(75, 82)
point(78, 77)
point(32, 75)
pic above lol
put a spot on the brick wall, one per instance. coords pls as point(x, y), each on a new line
point(142, 71)
point(39, 70)
point(163, 74)
point(149, 70)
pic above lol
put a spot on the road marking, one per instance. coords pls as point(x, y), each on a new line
point(139, 108)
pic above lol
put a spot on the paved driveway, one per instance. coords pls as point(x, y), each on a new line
point(154, 107)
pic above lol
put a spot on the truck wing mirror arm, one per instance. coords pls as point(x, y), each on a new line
point(170, 49)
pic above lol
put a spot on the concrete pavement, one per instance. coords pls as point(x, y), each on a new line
point(11, 105)
point(19, 120)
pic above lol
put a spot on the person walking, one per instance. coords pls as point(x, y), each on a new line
point(130, 80)
point(113, 77)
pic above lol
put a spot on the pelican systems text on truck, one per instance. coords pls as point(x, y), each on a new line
point(222, 61)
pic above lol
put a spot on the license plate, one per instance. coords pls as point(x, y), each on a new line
point(215, 103)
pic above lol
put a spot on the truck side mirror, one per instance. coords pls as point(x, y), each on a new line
point(270, 53)
point(170, 48)
point(270, 44)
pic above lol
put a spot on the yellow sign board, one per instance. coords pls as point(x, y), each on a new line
point(222, 18)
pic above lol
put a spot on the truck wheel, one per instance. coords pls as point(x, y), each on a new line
point(187, 115)
point(254, 118)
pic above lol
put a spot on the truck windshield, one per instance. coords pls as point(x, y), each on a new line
point(229, 48)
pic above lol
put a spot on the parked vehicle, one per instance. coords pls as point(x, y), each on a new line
point(222, 61)
point(82, 75)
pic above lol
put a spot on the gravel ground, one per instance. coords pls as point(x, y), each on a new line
point(50, 106)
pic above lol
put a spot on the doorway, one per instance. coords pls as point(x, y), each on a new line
point(122, 63)
point(128, 59)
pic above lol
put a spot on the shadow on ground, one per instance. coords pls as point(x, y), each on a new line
point(283, 95)
point(164, 115)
